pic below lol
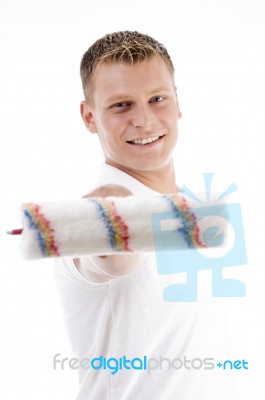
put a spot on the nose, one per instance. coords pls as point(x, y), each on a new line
point(143, 117)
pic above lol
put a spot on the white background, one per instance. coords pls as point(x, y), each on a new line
point(46, 154)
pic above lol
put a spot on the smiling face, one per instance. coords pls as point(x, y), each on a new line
point(135, 113)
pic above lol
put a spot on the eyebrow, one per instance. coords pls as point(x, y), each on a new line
point(124, 96)
point(118, 96)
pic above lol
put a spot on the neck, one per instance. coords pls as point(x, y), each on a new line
point(162, 180)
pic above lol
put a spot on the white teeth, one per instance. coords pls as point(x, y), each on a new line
point(145, 140)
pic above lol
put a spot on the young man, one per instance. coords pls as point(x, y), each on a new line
point(114, 305)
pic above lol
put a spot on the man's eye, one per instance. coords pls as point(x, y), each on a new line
point(157, 99)
point(122, 104)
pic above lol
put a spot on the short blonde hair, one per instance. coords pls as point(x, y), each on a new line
point(121, 47)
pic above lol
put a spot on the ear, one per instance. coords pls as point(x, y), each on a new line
point(87, 116)
point(179, 112)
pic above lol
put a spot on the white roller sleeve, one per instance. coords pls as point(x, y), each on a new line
point(102, 226)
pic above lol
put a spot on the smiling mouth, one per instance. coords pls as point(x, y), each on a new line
point(145, 141)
